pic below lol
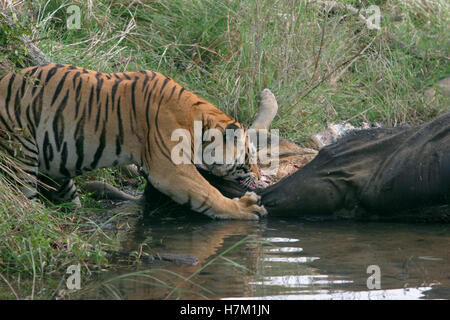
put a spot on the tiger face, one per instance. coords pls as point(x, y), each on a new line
point(236, 159)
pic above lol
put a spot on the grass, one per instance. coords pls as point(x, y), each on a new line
point(322, 67)
point(39, 241)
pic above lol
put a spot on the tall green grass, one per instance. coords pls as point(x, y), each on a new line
point(39, 242)
point(322, 66)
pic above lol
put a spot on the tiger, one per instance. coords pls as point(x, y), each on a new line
point(61, 121)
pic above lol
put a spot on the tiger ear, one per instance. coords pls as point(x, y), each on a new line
point(232, 126)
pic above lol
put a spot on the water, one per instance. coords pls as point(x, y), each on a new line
point(285, 259)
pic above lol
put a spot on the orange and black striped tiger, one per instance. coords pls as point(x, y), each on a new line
point(60, 121)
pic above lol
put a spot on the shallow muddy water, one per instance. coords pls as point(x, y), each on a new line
point(284, 259)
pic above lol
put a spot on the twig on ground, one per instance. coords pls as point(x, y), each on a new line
point(10, 287)
point(171, 257)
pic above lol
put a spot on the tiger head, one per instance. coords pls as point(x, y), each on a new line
point(231, 155)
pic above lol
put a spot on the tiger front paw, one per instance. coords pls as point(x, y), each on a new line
point(249, 208)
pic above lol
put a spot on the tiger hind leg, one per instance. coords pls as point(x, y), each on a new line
point(59, 191)
point(19, 155)
point(24, 172)
point(28, 184)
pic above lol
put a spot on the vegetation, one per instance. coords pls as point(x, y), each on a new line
point(38, 241)
point(322, 65)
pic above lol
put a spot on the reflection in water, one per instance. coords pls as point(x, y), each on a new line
point(290, 259)
point(298, 281)
point(391, 294)
point(277, 239)
point(286, 249)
